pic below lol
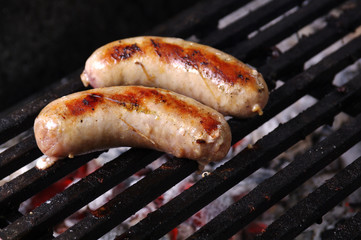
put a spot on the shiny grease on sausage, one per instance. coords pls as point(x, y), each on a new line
point(201, 72)
point(132, 116)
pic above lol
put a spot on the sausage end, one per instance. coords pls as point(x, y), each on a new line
point(46, 132)
point(85, 78)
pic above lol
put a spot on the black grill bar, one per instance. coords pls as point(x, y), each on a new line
point(313, 78)
point(198, 19)
point(79, 194)
point(292, 61)
point(349, 229)
point(240, 29)
point(274, 34)
point(131, 200)
point(33, 181)
point(207, 189)
point(315, 205)
point(19, 155)
point(266, 194)
point(354, 109)
point(21, 116)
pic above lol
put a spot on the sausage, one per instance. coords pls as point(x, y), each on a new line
point(134, 116)
point(208, 75)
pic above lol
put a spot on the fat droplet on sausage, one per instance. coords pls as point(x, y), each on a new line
point(258, 109)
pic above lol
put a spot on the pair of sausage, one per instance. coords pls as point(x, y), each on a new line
point(150, 116)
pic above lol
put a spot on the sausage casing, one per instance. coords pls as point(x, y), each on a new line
point(201, 72)
point(132, 116)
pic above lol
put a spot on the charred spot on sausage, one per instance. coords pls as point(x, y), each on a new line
point(195, 52)
point(124, 52)
point(80, 106)
point(156, 46)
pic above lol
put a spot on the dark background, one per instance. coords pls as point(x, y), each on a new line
point(42, 41)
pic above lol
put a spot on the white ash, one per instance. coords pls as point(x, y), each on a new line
point(348, 73)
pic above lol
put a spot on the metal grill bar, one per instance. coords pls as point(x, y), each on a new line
point(21, 116)
point(200, 18)
point(292, 61)
point(282, 29)
point(79, 194)
point(33, 181)
point(266, 194)
point(131, 200)
point(240, 29)
point(19, 155)
point(300, 85)
point(350, 229)
point(315, 205)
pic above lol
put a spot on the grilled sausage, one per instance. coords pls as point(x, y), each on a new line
point(132, 116)
point(206, 74)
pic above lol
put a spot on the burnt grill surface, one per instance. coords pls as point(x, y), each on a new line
point(288, 67)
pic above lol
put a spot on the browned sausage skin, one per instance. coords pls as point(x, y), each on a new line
point(206, 74)
point(131, 116)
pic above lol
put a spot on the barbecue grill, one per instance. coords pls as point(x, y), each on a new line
point(248, 40)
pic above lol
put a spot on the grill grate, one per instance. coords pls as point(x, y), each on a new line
point(201, 20)
point(271, 191)
point(236, 169)
point(272, 35)
point(320, 201)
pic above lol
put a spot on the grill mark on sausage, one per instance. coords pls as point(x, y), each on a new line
point(129, 101)
point(123, 52)
point(211, 66)
point(81, 106)
point(208, 122)
point(135, 98)
point(156, 47)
